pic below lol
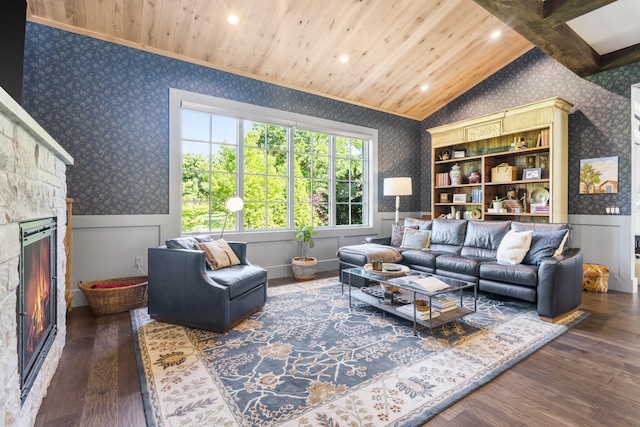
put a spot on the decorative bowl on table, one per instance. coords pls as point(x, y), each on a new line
point(389, 288)
point(388, 269)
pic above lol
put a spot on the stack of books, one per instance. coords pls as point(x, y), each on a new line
point(422, 315)
point(542, 209)
point(442, 180)
point(476, 195)
point(543, 138)
point(442, 303)
point(512, 205)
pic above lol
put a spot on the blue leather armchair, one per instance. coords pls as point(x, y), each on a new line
point(182, 290)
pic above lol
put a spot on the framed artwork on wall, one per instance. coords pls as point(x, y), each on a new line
point(599, 175)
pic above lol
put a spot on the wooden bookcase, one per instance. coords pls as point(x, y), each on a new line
point(529, 137)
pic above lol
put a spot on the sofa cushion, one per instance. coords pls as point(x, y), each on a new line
point(447, 235)
point(545, 227)
point(416, 239)
point(419, 257)
point(397, 233)
point(182, 243)
point(218, 254)
point(520, 274)
point(514, 247)
point(459, 264)
point(239, 278)
point(423, 224)
point(483, 238)
point(544, 244)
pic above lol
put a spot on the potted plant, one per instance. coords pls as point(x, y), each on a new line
point(304, 267)
point(497, 202)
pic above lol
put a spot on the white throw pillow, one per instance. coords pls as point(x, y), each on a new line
point(513, 247)
point(560, 249)
point(416, 239)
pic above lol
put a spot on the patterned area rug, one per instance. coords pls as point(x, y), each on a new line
point(306, 359)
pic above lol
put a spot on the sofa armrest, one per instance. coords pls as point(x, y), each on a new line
point(379, 240)
point(560, 284)
point(180, 288)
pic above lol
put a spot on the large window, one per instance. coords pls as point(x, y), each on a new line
point(287, 172)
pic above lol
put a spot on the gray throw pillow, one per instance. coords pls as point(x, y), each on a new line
point(416, 239)
point(182, 243)
point(397, 233)
point(543, 244)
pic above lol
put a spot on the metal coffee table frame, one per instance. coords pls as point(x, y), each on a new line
point(456, 286)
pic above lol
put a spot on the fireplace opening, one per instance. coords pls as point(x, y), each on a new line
point(37, 317)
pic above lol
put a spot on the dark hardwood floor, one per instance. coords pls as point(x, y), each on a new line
point(589, 376)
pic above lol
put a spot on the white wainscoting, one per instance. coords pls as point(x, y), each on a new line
point(608, 240)
point(105, 246)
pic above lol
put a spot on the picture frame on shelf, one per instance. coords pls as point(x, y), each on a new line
point(532, 161)
point(543, 162)
point(459, 198)
point(531, 173)
point(459, 154)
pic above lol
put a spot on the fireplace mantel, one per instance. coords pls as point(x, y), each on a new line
point(19, 116)
point(33, 186)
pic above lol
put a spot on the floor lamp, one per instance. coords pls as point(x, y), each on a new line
point(234, 204)
point(397, 187)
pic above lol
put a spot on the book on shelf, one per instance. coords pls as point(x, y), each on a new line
point(442, 180)
point(443, 300)
point(543, 138)
point(476, 195)
point(422, 315)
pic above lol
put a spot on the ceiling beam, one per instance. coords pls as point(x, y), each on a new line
point(543, 23)
point(556, 12)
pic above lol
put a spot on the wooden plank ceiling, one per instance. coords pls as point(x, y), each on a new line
point(395, 47)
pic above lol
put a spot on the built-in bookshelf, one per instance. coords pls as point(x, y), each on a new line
point(518, 154)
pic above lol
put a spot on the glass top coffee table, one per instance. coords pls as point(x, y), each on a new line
point(425, 299)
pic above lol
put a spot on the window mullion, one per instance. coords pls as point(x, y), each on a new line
point(291, 181)
point(240, 171)
point(332, 181)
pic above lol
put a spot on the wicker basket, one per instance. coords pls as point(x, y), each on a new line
point(116, 300)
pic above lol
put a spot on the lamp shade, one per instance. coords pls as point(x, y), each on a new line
point(234, 204)
point(397, 186)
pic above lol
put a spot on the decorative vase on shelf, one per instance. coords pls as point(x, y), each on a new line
point(456, 175)
point(474, 177)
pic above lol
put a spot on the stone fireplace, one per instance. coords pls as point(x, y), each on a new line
point(32, 187)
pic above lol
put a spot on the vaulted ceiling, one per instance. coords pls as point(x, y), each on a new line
point(405, 57)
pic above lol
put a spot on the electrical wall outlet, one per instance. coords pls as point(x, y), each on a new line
point(138, 262)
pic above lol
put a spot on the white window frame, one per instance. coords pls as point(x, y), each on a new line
point(179, 99)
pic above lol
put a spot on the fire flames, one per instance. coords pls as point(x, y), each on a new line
point(38, 294)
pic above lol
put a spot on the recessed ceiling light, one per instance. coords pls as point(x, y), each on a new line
point(424, 87)
point(495, 34)
point(233, 19)
point(344, 59)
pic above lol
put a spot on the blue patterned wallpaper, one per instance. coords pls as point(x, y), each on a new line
point(599, 123)
point(108, 106)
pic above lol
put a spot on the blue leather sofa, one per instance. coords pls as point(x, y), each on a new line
point(466, 250)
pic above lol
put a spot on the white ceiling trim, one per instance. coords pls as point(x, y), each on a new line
point(610, 28)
